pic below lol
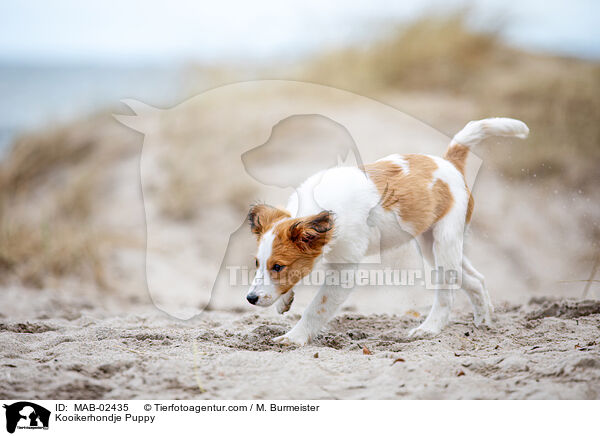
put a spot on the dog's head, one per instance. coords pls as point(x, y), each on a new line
point(287, 250)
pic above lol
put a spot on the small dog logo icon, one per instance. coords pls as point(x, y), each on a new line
point(26, 415)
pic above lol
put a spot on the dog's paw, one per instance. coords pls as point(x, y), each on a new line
point(483, 316)
point(424, 332)
point(282, 307)
point(482, 319)
point(292, 338)
point(284, 303)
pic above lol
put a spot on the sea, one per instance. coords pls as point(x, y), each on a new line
point(34, 97)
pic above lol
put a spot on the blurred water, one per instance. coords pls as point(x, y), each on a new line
point(34, 97)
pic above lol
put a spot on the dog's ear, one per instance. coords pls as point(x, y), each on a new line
point(313, 232)
point(262, 216)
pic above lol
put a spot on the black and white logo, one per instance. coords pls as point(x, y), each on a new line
point(26, 415)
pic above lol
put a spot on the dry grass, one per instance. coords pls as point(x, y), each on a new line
point(430, 53)
point(35, 252)
point(37, 155)
point(49, 184)
point(559, 98)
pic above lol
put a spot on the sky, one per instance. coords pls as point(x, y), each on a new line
point(130, 31)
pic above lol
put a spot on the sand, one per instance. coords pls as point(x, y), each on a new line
point(543, 349)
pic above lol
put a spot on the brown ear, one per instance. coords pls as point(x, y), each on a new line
point(262, 216)
point(313, 232)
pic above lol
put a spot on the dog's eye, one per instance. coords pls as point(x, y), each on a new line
point(256, 261)
point(278, 267)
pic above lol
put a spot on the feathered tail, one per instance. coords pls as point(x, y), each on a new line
point(476, 131)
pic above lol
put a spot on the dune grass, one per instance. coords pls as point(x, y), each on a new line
point(434, 52)
point(33, 253)
point(48, 189)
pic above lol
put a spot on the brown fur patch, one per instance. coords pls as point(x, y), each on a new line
point(411, 195)
point(443, 199)
point(457, 154)
point(297, 244)
point(470, 206)
point(261, 218)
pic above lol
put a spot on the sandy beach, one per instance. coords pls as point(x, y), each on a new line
point(545, 349)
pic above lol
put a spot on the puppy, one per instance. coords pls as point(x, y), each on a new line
point(343, 212)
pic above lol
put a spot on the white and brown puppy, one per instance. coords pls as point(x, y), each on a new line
point(342, 212)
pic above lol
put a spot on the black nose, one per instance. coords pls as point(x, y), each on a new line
point(252, 298)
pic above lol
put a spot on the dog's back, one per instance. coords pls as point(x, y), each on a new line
point(422, 189)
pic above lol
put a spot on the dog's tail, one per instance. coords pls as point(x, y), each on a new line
point(476, 131)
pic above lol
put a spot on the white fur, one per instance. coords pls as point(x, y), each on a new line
point(262, 285)
point(476, 131)
point(399, 160)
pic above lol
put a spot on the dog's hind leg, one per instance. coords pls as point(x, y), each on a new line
point(446, 241)
point(472, 281)
point(474, 285)
point(468, 267)
point(425, 241)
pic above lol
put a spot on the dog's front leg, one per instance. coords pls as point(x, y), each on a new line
point(329, 298)
point(285, 302)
